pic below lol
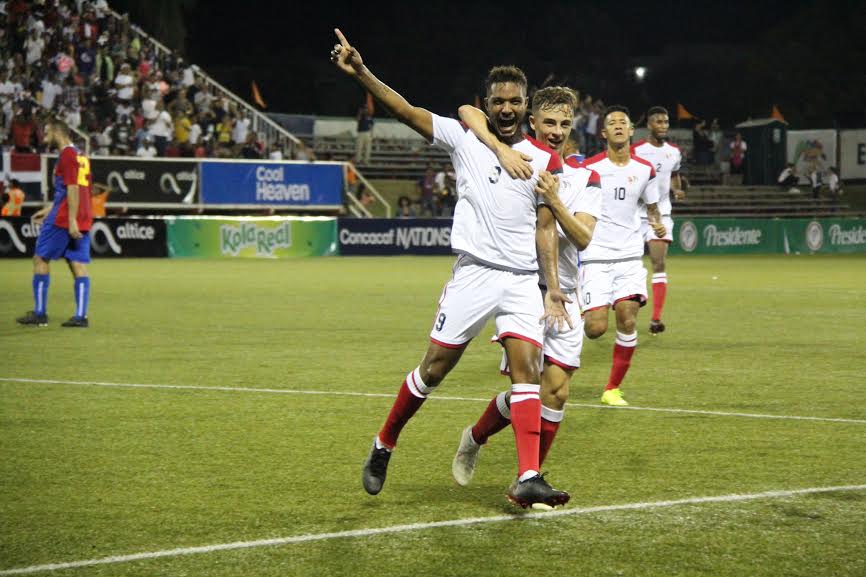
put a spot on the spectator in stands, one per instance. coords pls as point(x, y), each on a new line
point(240, 130)
point(124, 83)
point(715, 135)
point(122, 138)
point(366, 198)
point(738, 155)
point(50, 91)
point(304, 152)
point(34, 47)
point(427, 187)
point(404, 208)
point(252, 148)
point(364, 138)
point(788, 178)
point(182, 127)
point(702, 145)
point(834, 185)
point(223, 132)
point(161, 128)
point(147, 149)
point(23, 132)
point(15, 199)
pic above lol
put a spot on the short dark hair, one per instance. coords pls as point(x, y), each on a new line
point(554, 96)
point(615, 108)
point(657, 110)
point(499, 74)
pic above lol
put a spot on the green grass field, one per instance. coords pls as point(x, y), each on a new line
point(90, 470)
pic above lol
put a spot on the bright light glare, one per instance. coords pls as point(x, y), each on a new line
point(640, 72)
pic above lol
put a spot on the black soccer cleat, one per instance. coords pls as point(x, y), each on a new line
point(375, 469)
point(536, 493)
point(31, 318)
point(656, 327)
point(80, 322)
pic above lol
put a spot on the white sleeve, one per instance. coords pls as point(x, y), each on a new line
point(650, 193)
point(676, 167)
point(448, 134)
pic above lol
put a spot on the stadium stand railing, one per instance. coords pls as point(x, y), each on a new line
point(757, 201)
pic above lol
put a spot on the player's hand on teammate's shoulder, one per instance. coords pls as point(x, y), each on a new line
point(679, 194)
point(555, 315)
point(659, 229)
point(515, 163)
point(548, 186)
point(345, 56)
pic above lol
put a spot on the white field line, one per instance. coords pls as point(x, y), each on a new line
point(420, 527)
point(433, 397)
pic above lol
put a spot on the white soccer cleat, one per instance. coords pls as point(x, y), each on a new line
point(463, 466)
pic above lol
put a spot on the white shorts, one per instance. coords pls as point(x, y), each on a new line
point(476, 293)
point(561, 348)
point(606, 283)
point(647, 233)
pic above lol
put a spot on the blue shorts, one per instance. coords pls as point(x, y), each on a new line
point(54, 242)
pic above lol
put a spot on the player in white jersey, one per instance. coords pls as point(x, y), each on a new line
point(665, 158)
point(575, 199)
point(499, 224)
point(612, 272)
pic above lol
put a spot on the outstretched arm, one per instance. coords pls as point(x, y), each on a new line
point(515, 163)
point(655, 219)
point(578, 227)
point(348, 59)
point(547, 247)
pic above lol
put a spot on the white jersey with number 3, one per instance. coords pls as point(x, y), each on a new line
point(495, 215)
point(617, 234)
point(666, 160)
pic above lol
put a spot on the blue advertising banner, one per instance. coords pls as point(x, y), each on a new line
point(394, 236)
point(279, 184)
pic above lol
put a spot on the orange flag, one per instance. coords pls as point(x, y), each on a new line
point(257, 96)
point(371, 108)
point(682, 113)
point(777, 114)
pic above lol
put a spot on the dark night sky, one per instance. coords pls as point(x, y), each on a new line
point(730, 59)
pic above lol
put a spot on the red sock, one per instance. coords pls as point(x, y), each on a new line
point(622, 352)
point(548, 433)
point(494, 419)
point(526, 422)
point(412, 395)
point(660, 291)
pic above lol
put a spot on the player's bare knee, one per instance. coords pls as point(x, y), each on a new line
point(627, 326)
point(40, 265)
point(595, 328)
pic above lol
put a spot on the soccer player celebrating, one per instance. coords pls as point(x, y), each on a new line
point(575, 200)
point(499, 224)
point(612, 274)
point(63, 233)
point(665, 158)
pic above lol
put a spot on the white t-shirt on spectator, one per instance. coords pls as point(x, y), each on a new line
point(188, 77)
point(240, 130)
point(162, 126)
point(124, 83)
point(146, 151)
point(194, 133)
point(34, 49)
point(123, 110)
point(148, 108)
point(276, 154)
point(50, 92)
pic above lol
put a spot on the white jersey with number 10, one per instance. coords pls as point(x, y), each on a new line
point(623, 188)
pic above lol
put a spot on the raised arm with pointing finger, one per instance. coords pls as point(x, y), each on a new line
point(348, 59)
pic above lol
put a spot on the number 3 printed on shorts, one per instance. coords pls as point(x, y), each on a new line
point(440, 322)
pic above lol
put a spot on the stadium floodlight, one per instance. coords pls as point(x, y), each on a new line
point(640, 73)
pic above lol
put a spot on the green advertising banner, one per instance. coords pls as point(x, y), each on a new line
point(251, 237)
point(726, 236)
point(825, 235)
point(765, 236)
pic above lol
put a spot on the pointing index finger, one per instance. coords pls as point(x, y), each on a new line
point(341, 38)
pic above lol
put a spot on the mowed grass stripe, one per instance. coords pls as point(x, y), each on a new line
point(371, 532)
point(433, 397)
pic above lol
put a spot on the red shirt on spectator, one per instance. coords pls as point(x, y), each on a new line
point(22, 133)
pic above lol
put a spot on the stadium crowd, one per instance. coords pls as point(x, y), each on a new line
point(79, 61)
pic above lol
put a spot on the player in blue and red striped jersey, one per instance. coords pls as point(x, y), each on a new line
point(64, 229)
